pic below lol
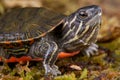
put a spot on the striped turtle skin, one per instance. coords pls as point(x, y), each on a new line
point(38, 34)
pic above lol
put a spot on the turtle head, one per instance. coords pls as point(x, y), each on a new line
point(82, 25)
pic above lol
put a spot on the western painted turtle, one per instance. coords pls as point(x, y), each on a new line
point(40, 34)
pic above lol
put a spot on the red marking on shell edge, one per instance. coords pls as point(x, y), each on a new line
point(31, 40)
point(43, 34)
point(7, 42)
point(65, 54)
point(19, 41)
point(28, 58)
point(21, 59)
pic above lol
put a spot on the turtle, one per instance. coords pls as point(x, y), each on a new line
point(40, 34)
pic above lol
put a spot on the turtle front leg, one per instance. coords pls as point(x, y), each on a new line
point(48, 50)
point(50, 59)
point(91, 50)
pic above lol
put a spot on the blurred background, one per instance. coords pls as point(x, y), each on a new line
point(109, 36)
point(110, 7)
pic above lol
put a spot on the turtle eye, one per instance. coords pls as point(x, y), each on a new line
point(83, 14)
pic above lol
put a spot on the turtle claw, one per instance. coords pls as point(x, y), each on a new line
point(55, 70)
point(91, 50)
point(51, 70)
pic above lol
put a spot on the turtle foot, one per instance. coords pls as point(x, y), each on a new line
point(51, 70)
point(91, 50)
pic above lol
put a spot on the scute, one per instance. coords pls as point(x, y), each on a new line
point(26, 23)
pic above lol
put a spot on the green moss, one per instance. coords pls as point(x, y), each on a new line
point(117, 55)
point(99, 60)
point(114, 45)
point(66, 77)
point(84, 74)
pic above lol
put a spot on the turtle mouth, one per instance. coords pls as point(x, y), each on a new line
point(94, 24)
point(99, 14)
point(96, 19)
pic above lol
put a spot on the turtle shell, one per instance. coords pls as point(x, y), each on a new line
point(25, 24)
